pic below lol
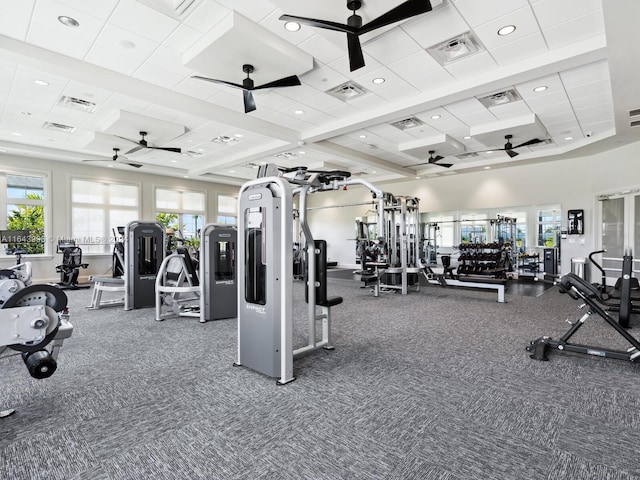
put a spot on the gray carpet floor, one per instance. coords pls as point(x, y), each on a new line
point(432, 385)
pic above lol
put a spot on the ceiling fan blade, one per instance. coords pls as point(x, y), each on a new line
point(417, 164)
point(314, 22)
point(511, 153)
point(445, 165)
point(135, 149)
point(291, 81)
point(249, 102)
point(405, 10)
point(437, 157)
point(530, 142)
point(166, 149)
point(134, 165)
point(214, 80)
point(98, 160)
point(356, 58)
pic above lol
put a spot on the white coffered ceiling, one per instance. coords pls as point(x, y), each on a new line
point(127, 68)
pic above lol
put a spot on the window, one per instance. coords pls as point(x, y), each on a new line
point(473, 228)
point(25, 203)
point(439, 232)
point(182, 212)
point(97, 209)
point(549, 222)
point(227, 210)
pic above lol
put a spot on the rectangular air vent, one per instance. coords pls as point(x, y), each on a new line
point(456, 48)
point(178, 9)
point(500, 98)
point(77, 104)
point(634, 113)
point(223, 139)
point(407, 123)
point(59, 127)
point(191, 153)
point(347, 91)
point(286, 155)
point(464, 156)
point(635, 123)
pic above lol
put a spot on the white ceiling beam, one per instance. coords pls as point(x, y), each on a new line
point(340, 151)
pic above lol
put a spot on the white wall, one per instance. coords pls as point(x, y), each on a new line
point(61, 174)
point(572, 183)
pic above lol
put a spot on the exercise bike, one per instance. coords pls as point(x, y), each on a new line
point(69, 269)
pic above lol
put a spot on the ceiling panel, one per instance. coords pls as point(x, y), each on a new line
point(143, 68)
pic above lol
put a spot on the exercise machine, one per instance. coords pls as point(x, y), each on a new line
point(69, 269)
point(34, 321)
point(579, 289)
point(218, 251)
point(207, 294)
point(625, 293)
point(136, 262)
point(265, 263)
point(113, 283)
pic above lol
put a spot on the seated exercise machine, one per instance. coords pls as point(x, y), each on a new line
point(265, 266)
point(134, 273)
point(34, 321)
point(624, 297)
point(69, 269)
point(207, 294)
point(579, 289)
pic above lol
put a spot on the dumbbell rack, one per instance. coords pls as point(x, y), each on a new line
point(480, 259)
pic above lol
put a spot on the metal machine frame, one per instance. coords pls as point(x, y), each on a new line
point(265, 265)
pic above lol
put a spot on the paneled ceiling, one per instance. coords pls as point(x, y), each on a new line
point(443, 81)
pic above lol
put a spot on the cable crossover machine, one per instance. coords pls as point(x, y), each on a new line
point(265, 266)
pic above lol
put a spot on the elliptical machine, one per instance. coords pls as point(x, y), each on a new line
point(69, 269)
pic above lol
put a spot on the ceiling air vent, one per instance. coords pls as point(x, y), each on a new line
point(77, 104)
point(635, 123)
point(408, 123)
point(347, 91)
point(500, 98)
point(223, 139)
point(58, 127)
point(464, 156)
point(178, 9)
point(634, 113)
point(286, 155)
point(455, 48)
point(192, 153)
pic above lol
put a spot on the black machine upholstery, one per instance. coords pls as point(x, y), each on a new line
point(321, 278)
point(191, 268)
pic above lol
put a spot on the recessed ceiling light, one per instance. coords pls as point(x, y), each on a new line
point(374, 172)
point(238, 135)
point(467, 137)
point(363, 136)
point(41, 82)
point(435, 117)
point(3, 150)
point(299, 112)
point(174, 161)
point(568, 138)
point(487, 168)
point(541, 88)
point(418, 178)
point(16, 134)
point(378, 80)
point(292, 26)
point(110, 166)
point(507, 30)
point(68, 21)
point(232, 171)
point(301, 152)
point(185, 176)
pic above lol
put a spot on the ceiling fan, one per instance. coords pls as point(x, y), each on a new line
point(115, 159)
point(433, 160)
point(247, 85)
point(509, 148)
point(144, 144)
point(354, 27)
